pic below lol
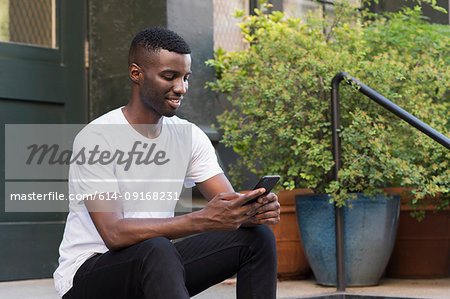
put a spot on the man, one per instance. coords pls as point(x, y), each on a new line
point(111, 249)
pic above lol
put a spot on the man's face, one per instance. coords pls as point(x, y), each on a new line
point(165, 81)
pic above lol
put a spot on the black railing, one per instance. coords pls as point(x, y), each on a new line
point(336, 116)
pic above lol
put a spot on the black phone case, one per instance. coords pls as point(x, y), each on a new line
point(267, 182)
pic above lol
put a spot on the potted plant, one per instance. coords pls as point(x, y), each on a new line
point(278, 91)
point(423, 239)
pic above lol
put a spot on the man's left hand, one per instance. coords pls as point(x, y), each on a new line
point(269, 212)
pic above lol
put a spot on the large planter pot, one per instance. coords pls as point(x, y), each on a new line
point(292, 262)
point(370, 226)
point(422, 249)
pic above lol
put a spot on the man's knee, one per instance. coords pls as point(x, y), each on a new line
point(265, 233)
point(263, 240)
point(265, 236)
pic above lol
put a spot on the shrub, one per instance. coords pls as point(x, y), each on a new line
point(279, 92)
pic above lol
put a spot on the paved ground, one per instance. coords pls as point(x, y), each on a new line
point(434, 288)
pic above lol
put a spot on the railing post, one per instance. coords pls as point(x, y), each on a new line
point(338, 211)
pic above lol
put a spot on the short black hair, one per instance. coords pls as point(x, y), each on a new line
point(157, 38)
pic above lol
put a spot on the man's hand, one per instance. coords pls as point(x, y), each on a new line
point(225, 211)
point(269, 211)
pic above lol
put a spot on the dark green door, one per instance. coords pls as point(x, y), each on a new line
point(42, 81)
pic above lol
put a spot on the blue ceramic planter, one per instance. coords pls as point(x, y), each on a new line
point(370, 227)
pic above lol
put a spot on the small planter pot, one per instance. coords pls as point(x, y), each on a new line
point(422, 249)
point(292, 262)
point(370, 226)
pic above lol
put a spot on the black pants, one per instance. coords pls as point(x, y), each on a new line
point(157, 268)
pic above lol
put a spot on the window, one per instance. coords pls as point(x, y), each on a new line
point(31, 22)
point(226, 32)
point(299, 8)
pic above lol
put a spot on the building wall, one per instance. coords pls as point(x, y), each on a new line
point(193, 20)
point(112, 24)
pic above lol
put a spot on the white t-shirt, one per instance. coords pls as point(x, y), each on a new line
point(111, 156)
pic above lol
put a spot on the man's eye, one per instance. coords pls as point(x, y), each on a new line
point(169, 78)
point(186, 79)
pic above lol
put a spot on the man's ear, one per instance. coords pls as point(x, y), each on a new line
point(135, 73)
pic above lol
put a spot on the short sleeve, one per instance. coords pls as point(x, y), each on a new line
point(203, 164)
point(86, 175)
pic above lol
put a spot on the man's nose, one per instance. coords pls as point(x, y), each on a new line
point(181, 86)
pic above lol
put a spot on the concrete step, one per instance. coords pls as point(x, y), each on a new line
point(388, 288)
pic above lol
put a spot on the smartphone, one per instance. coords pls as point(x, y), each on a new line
point(267, 182)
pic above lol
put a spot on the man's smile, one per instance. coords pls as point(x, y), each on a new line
point(174, 102)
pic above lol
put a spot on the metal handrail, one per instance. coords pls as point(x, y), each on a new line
point(336, 116)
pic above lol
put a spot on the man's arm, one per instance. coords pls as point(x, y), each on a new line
point(224, 211)
point(215, 185)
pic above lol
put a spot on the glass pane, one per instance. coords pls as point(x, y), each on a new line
point(226, 32)
point(299, 8)
point(30, 22)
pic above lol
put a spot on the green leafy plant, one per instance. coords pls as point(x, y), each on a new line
point(278, 92)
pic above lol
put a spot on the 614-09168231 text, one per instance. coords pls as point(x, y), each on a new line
point(136, 196)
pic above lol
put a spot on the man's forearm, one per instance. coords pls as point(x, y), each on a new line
point(124, 232)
